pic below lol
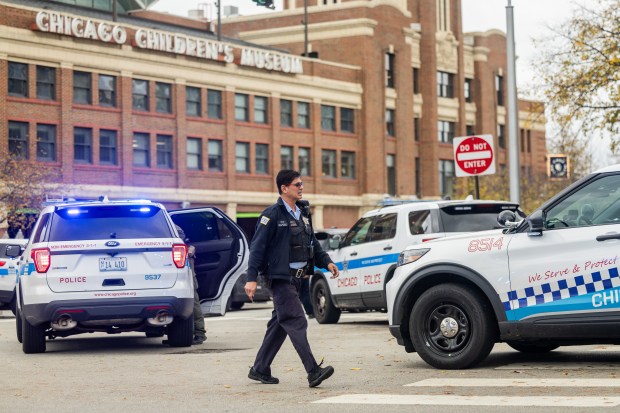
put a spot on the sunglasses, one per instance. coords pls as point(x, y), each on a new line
point(298, 184)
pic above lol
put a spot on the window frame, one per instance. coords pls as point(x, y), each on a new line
point(193, 107)
point(164, 151)
point(244, 158)
point(110, 148)
point(242, 107)
point(14, 148)
point(18, 85)
point(194, 154)
point(286, 113)
point(328, 118)
point(329, 167)
point(82, 93)
point(107, 95)
point(214, 104)
point(303, 118)
point(261, 158)
point(141, 146)
point(86, 145)
point(140, 96)
point(261, 110)
point(163, 97)
point(347, 120)
point(347, 165)
point(287, 157)
point(44, 84)
point(49, 143)
point(215, 159)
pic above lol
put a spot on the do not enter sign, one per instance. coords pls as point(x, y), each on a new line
point(473, 155)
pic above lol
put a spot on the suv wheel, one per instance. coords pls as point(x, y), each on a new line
point(531, 348)
point(451, 327)
point(18, 324)
point(325, 311)
point(33, 337)
point(181, 332)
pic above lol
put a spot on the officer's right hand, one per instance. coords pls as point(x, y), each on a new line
point(250, 289)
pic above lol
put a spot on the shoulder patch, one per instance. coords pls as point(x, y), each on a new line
point(264, 220)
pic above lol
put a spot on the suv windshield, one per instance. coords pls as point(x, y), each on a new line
point(466, 218)
point(105, 222)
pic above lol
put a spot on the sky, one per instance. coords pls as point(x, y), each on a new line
point(532, 19)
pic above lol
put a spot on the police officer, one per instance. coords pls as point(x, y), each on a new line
point(284, 246)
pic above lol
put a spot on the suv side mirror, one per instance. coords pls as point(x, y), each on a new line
point(334, 242)
point(13, 251)
point(536, 222)
point(506, 218)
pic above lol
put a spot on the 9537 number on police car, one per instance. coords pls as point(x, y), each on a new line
point(113, 264)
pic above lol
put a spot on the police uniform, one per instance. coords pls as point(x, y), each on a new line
point(285, 248)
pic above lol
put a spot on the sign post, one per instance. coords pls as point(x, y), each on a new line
point(474, 156)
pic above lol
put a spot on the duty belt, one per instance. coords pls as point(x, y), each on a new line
point(298, 272)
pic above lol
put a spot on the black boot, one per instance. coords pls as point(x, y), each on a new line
point(318, 374)
point(263, 378)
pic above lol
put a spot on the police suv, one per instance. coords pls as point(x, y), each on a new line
point(368, 253)
point(547, 281)
point(107, 266)
point(10, 251)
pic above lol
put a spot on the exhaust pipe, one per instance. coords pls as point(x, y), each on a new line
point(64, 322)
point(161, 319)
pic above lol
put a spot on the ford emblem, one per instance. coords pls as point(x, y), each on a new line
point(112, 244)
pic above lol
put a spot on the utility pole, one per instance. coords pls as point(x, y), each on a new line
point(512, 109)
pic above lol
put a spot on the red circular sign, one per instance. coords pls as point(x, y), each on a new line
point(474, 155)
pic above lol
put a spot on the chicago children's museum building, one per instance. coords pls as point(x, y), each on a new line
point(151, 105)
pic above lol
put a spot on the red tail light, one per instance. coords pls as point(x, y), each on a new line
point(2, 263)
point(42, 259)
point(179, 255)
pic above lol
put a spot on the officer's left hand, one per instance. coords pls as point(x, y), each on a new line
point(333, 269)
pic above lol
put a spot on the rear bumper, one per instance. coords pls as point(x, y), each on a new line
point(114, 308)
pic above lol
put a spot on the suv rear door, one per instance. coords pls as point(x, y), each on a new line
point(221, 253)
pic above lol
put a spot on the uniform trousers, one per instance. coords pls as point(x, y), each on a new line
point(287, 318)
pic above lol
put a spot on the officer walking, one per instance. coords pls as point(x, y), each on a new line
point(284, 246)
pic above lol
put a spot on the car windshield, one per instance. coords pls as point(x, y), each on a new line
point(105, 222)
point(477, 217)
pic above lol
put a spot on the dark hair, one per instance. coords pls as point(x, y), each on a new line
point(286, 177)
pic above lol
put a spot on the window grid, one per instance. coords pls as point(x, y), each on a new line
point(194, 154)
point(347, 120)
point(328, 118)
point(242, 157)
point(286, 113)
point(18, 139)
point(216, 163)
point(46, 83)
point(329, 163)
point(108, 147)
point(83, 145)
point(141, 150)
point(241, 107)
point(389, 122)
point(140, 94)
point(262, 158)
point(389, 70)
point(214, 104)
point(46, 143)
point(82, 88)
point(163, 97)
point(18, 79)
point(286, 155)
point(445, 85)
point(303, 115)
point(193, 105)
point(261, 114)
point(303, 157)
point(446, 177)
point(347, 165)
point(445, 131)
point(107, 90)
point(164, 152)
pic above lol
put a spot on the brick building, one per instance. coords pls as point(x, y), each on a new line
point(154, 106)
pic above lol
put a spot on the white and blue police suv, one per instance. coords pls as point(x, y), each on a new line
point(549, 280)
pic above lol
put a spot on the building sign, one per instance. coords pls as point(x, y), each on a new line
point(558, 166)
point(53, 22)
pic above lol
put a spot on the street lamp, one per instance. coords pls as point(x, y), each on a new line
point(512, 109)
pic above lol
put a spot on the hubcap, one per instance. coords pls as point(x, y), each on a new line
point(449, 327)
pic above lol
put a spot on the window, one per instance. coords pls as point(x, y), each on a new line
point(214, 104)
point(193, 106)
point(216, 157)
point(303, 115)
point(529, 140)
point(163, 97)
point(383, 227)
point(46, 143)
point(420, 222)
point(418, 180)
point(107, 90)
point(242, 157)
point(241, 107)
point(286, 113)
point(499, 88)
point(446, 177)
point(328, 118)
point(358, 233)
point(329, 163)
point(390, 162)
point(417, 129)
point(445, 85)
point(194, 153)
point(522, 139)
point(501, 136)
point(347, 164)
point(18, 139)
point(141, 150)
point(82, 84)
point(468, 92)
point(262, 158)
point(443, 20)
point(83, 145)
point(389, 70)
point(445, 131)
point(469, 130)
point(303, 156)
point(416, 80)
point(389, 122)
point(140, 94)
point(286, 156)
point(18, 79)
point(108, 147)
point(164, 151)
point(347, 120)
point(46, 83)
point(260, 110)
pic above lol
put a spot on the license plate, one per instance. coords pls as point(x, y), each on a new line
point(113, 264)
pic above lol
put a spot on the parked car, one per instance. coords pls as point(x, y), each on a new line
point(107, 266)
point(549, 280)
point(10, 251)
point(368, 254)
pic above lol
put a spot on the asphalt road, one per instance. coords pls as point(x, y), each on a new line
point(131, 373)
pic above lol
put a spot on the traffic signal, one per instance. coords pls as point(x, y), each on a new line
point(265, 3)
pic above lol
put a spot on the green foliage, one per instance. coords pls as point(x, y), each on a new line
point(23, 186)
point(580, 71)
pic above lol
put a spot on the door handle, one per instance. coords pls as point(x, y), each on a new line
point(606, 237)
point(353, 254)
point(389, 247)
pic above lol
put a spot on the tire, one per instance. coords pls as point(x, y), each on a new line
point(325, 311)
point(13, 305)
point(18, 324)
point(33, 337)
point(181, 332)
point(467, 312)
point(531, 348)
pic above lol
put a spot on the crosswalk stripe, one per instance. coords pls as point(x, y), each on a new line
point(467, 382)
point(559, 366)
point(455, 400)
